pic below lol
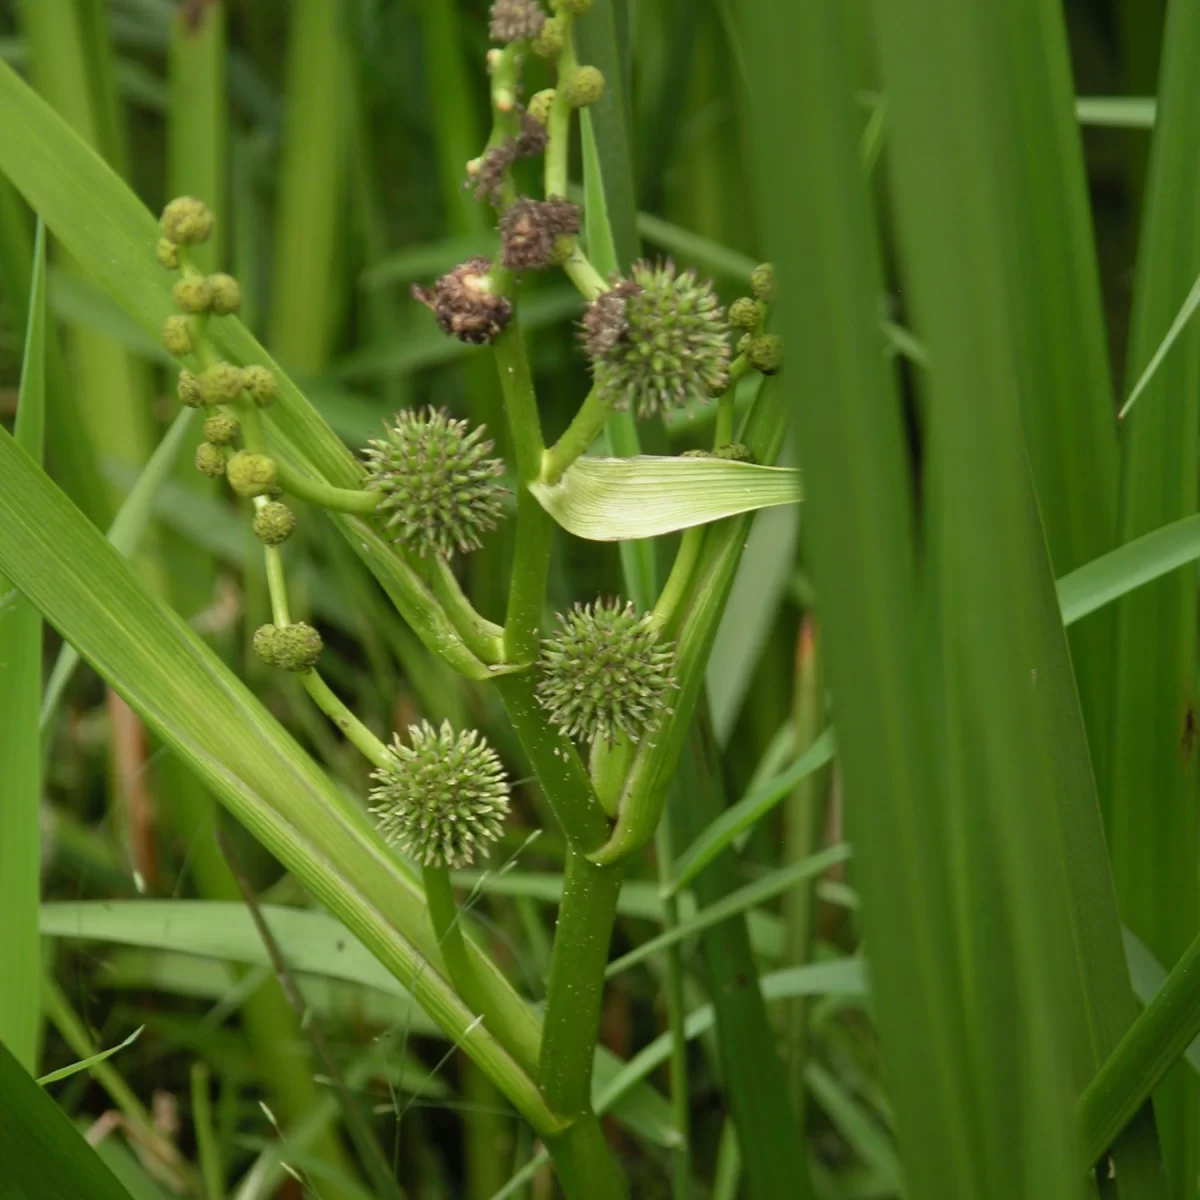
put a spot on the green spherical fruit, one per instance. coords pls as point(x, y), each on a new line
point(210, 460)
point(192, 294)
point(177, 336)
point(583, 86)
point(187, 221)
point(221, 383)
point(251, 474)
point(221, 428)
point(274, 523)
point(294, 647)
point(226, 294)
point(261, 385)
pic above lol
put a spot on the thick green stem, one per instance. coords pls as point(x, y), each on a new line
point(673, 594)
point(559, 122)
point(725, 412)
point(584, 276)
point(371, 748)
point(483, 639)
point(322, 494)
point(443, 915)
point(576, 988)
point(584, 1164)
point(585, 427)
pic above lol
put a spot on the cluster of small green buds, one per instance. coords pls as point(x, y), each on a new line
point(762, 282)
point(530, 232)
point(220, 428)
point(658, 340)
point(606, 672)
point(274, 523)
point(226, 294)
point(187, 221)
point(746, 314)
point(465, 305)
point(251, 475)
point(261, 385)
point(763, 351)
point(210, 460)
point(442, 798)
point(220, 384)
point(177, 336)
point(550, 41)
point(437, 484)
point(294, 647)
point(582, 86)
point(515, 20)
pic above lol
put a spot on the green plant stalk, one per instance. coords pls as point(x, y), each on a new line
point(363, 740)
point(482, 638)
point(208, 1148)
point(1154, 1044)
point(558, 124)
point(587, 425)
point(325, 495)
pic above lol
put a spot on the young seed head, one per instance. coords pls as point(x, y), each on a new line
point(549, 42)
point(530, 229)
point(582, 86)
point(295, 647)
point(221, 428)
point(762, 282)
point(745, 313)
point(221, 383)
point(274, 523)
point(438, 485)
point(606, 672)
point(261, 384)
point(226, 294)
point(442, 798)
point(658, 340)
point(539, 105)
point(188, 389)
point(192, 294)
point(464, 305)
point(515, 20)
point(210, 460)
point(177, 336)
point(765, 352)
point(187, 221)
point(251, 474)
point(167, 253)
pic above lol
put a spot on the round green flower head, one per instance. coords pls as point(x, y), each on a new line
point(220, 428)
point(548, 43)
point(745, 313)
point(442, 798)
point(295, 647)
point(438, 484)
point(221, 383)
point(765, 353)
point(658, 340)
point(187, 221)
point(167, 253)
point(606, 672)
point(177, 336)
point(274, 523)
point(209, 460)
point(188, 389)
point(192, 294)
point(261, 385)
point(583, 86)
point(539, 104)
point(251, 474)
point(226, 293)
point(762, 282)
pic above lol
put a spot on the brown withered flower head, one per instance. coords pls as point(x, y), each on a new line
point(463, 305)
point(529, 228)
point(488, 177)
point(605, 323)
point(515, 20)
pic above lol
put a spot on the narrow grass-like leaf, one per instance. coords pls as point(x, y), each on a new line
point(611, 499)
point(749, 810)
point(20, 760)
point(1117, 112)
point(42, 1152)
point(85, 1063)
point(860, 1130)
point(1148, 975)
point(1185, 314)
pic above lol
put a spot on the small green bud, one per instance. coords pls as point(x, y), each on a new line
point(735, 452)
point(274, 523)
point(295, 647)
point(221, 428)
point(210, 460)
point(765, 353)
point(177, 336)
point(167, 253)
point(192, 294)
point(562, 249)
point(189, 390)
point(743, 346)
point(583, 86)
point(442, 798)
point(226, 294)
point(548, 43)
point(251, 474)
point(261, 385)
point(539, 107)
point(221, 383)
point(762, 282)
point(187, 221)
point(577, 7)
point(745, 313)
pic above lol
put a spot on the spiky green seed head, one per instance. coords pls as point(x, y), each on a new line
point(221, 383)
point(187, 221)
point(221, 428)
point(188, 389)
point(177, 335)
point(251, 474)
point(745, 313)
point(295, 647)
point(606, 672)
point(658, 340)
point(765, 352)
point(515, 20)
point(274, 523)
point(438, 485)
point(167, 253)
point(226, 294)
point(548, 44)
point(540, 104)
point(762, 282)
point(210, 460)
point(261, 384)
point(443, 798)
point(582, 86)
point(192, 294)
point(577, 7)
